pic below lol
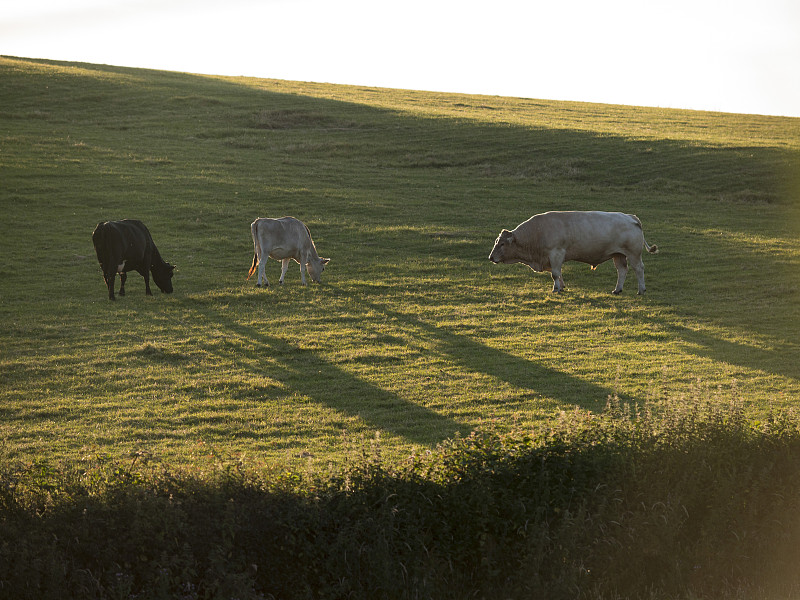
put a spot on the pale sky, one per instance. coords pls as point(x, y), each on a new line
point(727, 55)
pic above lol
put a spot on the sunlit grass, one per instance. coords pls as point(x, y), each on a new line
point(413, 334)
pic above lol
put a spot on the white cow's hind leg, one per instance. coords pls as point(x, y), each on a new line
point(262, 265)
point(284, 267)
point(622, 271)
point(558, 281)
point(638, 268)
point(256, 251)
point(556, 261)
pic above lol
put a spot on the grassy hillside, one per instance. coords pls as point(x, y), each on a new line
point(413, 335)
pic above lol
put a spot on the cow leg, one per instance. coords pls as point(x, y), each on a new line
point(262, 272)
point(122, 279)
point(146, 276)
point(303, 267)
point(145, 271)
point(621, 263)
point(109, 278)
point(638, 268)
point(556, 261)
point(284, 267)
point(261, 257)
point(558, 281)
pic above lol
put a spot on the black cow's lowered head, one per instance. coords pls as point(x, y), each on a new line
point(162, 276)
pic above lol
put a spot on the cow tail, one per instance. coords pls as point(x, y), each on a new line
point(254, 231)
point(651, 249)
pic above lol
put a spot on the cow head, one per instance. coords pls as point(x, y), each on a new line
point(162, 275)
point(315, 267)
point(503, 250)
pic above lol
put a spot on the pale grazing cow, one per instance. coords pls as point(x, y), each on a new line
point(544, 242)
point(285, 239)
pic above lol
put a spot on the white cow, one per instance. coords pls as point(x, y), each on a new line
point(544, 242)
point(285, 239)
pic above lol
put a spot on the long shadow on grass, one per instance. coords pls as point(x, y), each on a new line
point(747, 276)
point(310, 374)
point(514, 370)
point(746, 356)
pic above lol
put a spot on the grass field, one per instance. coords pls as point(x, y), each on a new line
point(414, 335)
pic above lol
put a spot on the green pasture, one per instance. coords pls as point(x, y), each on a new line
point(413, 336)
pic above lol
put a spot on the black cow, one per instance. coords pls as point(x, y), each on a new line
point(127, 245)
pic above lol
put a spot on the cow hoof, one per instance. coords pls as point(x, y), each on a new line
point(121, 293)
point(641, 293)
point(617, 292)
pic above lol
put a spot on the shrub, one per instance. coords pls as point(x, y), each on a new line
point(668, 500)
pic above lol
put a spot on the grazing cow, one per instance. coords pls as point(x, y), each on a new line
point(127, 245)
point(285, 239)
point(544, 242)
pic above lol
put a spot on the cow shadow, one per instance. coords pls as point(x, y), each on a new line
point(310, 374)
point(743, 355)
point(753, 277)
point(477, 357)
